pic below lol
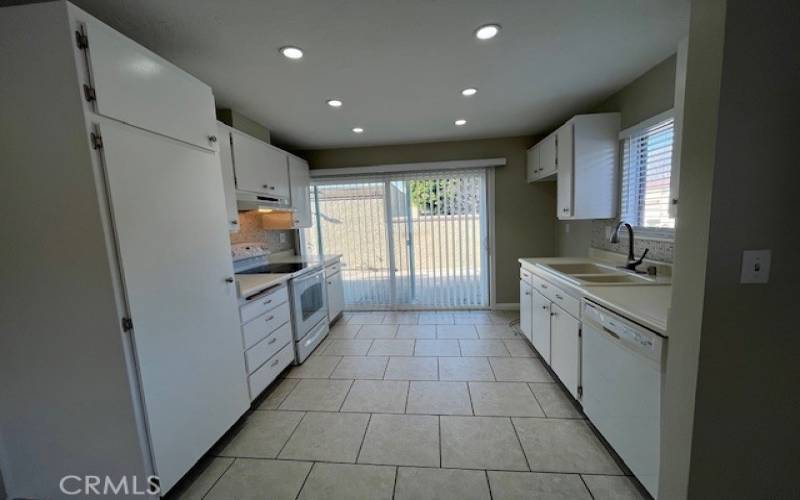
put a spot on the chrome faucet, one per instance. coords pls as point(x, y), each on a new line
point(633, 262)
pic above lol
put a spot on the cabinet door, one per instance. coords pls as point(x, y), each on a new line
point(566, 168)
point(565, 348)
point(335, 290)
point(259, 167)
point(228, 180)
point(300, 182)
point(548, 163)
point(136, 86)
point(540, 324)
point(176, 267)
point(532, 167)
point(525, 308)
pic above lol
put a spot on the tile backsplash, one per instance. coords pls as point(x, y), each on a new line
point(250, 231)
point(661, 247)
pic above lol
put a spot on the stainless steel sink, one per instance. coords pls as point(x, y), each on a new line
point(583, 268)
point(613, 278)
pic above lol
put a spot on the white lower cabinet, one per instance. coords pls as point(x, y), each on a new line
point(526, 308)
point(548, 318)
point(266, 336)
point(335, 290)
point(565, 348)
point(540, 324)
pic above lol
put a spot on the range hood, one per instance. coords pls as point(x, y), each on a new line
point(253, 201)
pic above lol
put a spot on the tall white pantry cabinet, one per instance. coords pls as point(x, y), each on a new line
point(120, 352)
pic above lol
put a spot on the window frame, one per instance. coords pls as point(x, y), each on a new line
point(656, 233)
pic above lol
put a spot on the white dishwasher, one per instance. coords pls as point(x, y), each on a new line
point(622, 368)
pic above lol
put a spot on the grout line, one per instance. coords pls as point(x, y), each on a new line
point(396, 473)
point(408, 391)
point(363, 438)
point(306, 460)
point(352, 382)
point(516, 433)
point(217, 480)
point(469, 395)
point(291, 434)
point(305, 479)
point(492, 368)
point(489, 484)
point(440, 441)
point(528, 385)
point(586, 486)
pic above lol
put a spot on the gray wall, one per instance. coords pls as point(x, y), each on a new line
point(746, 443)
point(525, 213)
point(703, 70)
point(240, 122)
point(650, 94)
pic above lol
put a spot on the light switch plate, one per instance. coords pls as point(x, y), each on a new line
point(755, 266)
point(282, 237)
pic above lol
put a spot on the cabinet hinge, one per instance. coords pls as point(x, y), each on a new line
point(97, 141)
point(127, 324)
point(81, 39)
point(580, 390)
point(89, 93)
point(580, 332)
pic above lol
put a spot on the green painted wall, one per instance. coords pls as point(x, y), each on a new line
point(240, 122)
point(525, 213)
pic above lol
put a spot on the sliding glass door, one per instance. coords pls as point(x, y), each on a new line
point(407, 240)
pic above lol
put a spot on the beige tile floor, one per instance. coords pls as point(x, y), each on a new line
point(432, 405)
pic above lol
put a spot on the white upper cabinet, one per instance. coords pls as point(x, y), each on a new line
point(542, 160)
point(228, 178)
point(565, 207)
point(583, 154)
point(260, 168)
point(300, 182)
point(128, 83)
point(548, 161)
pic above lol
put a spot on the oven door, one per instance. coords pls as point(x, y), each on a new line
point(309, 304)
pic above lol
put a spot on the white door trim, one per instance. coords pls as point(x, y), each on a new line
point(490, 221)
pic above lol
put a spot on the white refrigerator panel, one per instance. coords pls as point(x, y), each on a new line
point(168, 211)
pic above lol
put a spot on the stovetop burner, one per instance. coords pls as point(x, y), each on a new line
point(280, 268)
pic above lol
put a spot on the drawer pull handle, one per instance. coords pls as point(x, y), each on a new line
point(271, 341)
point(544, 287)
point(274, 363)
point(559, 297)
point(268, 302)
point(270, 318)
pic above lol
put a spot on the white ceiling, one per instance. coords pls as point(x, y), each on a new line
point(399, 65)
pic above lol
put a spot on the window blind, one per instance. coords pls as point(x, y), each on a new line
point(646, 170)
point(407, 240)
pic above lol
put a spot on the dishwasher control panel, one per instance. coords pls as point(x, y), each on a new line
point(623, 330)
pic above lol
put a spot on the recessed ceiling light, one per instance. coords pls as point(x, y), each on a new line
point(469, 92)
point(358, 130)
point(487, 31)
point(334, 103)
point(292, 52)
point(460, 123)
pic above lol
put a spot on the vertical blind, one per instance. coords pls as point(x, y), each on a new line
point(410, 240)
point(646, 170)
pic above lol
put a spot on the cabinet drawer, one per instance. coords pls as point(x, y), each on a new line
point(525, 275)
point(567, 302)
point(261, 352)
point(265, 301)
point(265, 324)
point(269, 371)
point(333, 269)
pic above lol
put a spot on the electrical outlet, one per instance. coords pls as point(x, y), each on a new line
point(282, 237)
point(566, 228)
point(608, 232)
point(755, 266)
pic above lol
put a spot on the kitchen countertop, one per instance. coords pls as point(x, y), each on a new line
point(647, 304)
point(248, 284)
